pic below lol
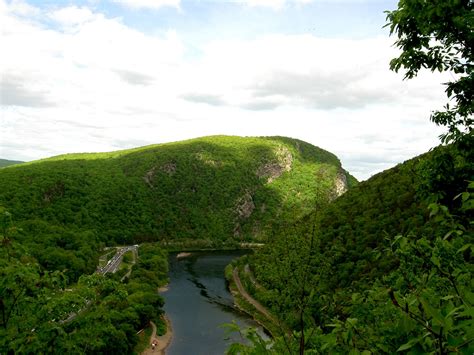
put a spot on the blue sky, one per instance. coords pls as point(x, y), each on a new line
point(98, 75)
point(224, 19)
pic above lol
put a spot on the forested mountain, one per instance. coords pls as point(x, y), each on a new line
point(215, 189)
point(6, 162)
point(385, 267)
point(381, 267)
point(57, 214)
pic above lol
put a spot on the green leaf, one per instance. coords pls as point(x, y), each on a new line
point(434, 207)
point(431, 311)
point(408, 345)
point(435, 260)
point(445, 298)
point(465, 247)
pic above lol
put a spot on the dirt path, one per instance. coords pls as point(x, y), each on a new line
point(162, 341)
point(250, 299)
point(251, 276)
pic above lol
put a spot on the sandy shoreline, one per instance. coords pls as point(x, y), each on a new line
point(183, 254)
point(162, 341)
point(163, 289)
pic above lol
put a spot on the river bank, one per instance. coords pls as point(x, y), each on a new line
point(249, 305)
point(161, 341)
point(198, 303)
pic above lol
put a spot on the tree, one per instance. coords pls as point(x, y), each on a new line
point(439, 35)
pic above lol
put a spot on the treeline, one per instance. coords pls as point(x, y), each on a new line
point(60, 212)
point(217, 188)
point(73, 251)
point(386, 267)
point(37, 305)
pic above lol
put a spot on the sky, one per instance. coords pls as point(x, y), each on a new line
point(104, 75)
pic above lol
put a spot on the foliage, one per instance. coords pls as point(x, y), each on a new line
point(199, 192)
point(215, 189)
point(439, 35)
point(42, 311)
point(371, 292)
point(5, 162)
point(110, 325)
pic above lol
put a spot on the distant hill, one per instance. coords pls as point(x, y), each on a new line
point(213, 189)
point(6, 162)
point(353, 234)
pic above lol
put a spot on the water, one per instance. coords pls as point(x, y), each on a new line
point(198, 303)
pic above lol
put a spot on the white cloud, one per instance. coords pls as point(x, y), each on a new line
point(73, 15)
point(19, 7)
point(280, 4)
point(274, 4)
point(149, 4)
point(95, 84)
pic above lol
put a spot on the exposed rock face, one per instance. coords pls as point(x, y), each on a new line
point(207, 160)
point(55, 191)
point(149, 176)
point(274, 169)
point(168, 168)
point(243, 209)
point(245, 206)
point(340, 184)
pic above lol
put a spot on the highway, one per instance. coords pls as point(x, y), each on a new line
point(112, 266)
point(114, 263)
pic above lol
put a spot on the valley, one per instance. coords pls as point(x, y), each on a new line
point(325, 266)
point(152, 200)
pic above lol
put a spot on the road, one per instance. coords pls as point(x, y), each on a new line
point(112, 266)
point(114, 263)
point(258, 306)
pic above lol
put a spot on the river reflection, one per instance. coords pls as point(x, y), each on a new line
point(198, 303)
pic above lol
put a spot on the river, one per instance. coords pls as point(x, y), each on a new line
point(198, 304)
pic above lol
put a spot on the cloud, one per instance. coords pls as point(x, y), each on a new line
point(260, 105)
point(280, 4)
point(73, 15)
point(18, 91)
point(105, 85)
point(134, 78)
point(148, 4)
point(305, 71)
point(273, 4)
point(209, 99)
point(319, 90)
point(19, 8)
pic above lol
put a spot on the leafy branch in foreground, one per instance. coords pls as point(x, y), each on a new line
point(423, 306)
point(439, 35)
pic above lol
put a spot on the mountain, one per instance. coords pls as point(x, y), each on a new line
point(6, 162)
point(382, 262)
point(351, 232)
point(57, 214)
point(216, 190)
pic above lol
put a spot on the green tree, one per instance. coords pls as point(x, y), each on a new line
point(439, 35)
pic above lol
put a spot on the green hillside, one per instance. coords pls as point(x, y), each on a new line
point(57, 214)
point(214, 189)
point(6, 162)
point(398, 235)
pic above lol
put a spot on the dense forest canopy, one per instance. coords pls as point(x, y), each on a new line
point(215, 189)
point(6, 162)
point(388, 266)
point(58, 214)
